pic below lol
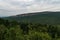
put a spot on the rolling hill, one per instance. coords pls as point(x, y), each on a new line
point(37, 17)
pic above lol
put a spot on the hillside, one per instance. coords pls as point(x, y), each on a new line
point(13, 30)
point(38, 17)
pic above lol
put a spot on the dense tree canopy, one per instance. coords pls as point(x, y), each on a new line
point(13, 30)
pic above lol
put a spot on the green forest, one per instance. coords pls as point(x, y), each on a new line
point(13, 30)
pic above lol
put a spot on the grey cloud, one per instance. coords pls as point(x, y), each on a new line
point(13, 7)
point(48, 1)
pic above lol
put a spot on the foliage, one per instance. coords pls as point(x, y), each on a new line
point(13, 30)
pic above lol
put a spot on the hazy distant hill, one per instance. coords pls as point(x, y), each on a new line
point(38, 17)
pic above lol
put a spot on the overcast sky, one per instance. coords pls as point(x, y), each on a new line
point(13, 7)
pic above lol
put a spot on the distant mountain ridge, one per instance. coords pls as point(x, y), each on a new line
point(36, 13)
point(38, 17)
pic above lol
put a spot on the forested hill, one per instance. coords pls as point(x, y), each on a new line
point(14, 30)
point(38, 17)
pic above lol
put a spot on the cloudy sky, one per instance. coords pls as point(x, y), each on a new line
point(13, 7)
